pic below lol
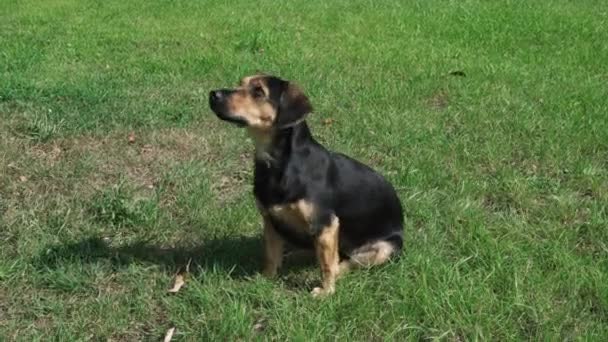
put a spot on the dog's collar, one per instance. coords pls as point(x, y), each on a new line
point(292, 124)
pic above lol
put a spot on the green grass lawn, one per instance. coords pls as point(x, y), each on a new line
point(490, 117)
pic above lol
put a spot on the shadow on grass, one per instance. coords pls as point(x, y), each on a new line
point(238, 256)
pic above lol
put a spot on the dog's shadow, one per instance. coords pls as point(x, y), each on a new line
point(240, 257)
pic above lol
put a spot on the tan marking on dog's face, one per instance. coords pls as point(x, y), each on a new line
point(250, 101)
point(256, 105)
point(245, 81)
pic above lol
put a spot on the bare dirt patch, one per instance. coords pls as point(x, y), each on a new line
point(439, 100)
point(40, 174)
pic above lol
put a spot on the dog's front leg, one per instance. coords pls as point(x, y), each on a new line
point(273, 249)
point(326, 246)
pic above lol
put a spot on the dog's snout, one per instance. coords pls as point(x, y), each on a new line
point(216, 95)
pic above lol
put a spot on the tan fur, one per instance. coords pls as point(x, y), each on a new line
point(262, 139)
point(258, 113)
point(273, 246)
point(246, 81)
point(297, 215)
point(368, 255)
point(326, 247)
point(250, 101)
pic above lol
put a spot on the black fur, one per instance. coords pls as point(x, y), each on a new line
point(295, 166)
point(300, 168)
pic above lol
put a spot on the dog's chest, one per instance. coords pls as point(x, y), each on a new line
point(276, 186)
point(294, 216)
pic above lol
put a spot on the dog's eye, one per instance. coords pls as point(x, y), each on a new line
point(258, 92)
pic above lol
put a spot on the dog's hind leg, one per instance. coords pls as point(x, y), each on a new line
point(368, 255)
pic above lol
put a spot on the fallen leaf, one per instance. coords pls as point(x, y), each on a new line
point(169, 335)
point(259, 325)
point(328, 121)
point(23, 178)
point(177, 283)
point(131, 137)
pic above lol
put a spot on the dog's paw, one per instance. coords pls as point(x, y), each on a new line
point(318, 292)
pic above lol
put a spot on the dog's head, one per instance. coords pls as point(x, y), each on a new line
point(261, 102)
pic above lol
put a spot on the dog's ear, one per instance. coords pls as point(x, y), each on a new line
point(293, 106)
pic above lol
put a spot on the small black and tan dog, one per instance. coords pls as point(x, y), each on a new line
point(308, 196)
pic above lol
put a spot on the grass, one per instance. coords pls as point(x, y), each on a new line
point(489, 117)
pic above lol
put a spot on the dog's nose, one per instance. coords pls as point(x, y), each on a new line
point(215, 96)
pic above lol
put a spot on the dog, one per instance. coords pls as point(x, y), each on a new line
point(308, 196)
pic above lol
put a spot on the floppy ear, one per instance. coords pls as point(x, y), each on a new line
point(293, 106)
